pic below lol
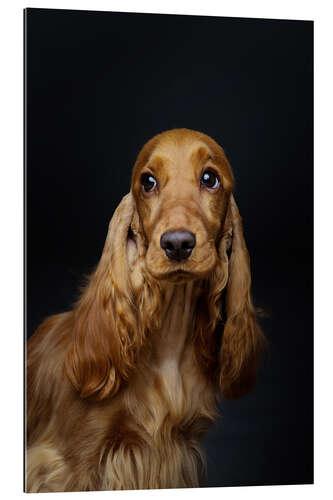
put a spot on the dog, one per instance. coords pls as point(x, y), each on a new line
point(121, 389)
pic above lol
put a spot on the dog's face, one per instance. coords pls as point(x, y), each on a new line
point(181, 184)
point(186, 226)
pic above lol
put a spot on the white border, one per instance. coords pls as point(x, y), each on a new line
point(11, 210)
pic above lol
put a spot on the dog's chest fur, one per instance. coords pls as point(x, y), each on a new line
point(172, 392)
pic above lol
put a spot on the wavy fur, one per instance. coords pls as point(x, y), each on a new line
point(121, 389)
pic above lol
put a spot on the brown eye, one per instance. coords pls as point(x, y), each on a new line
point(148, 182)
point(210, 179)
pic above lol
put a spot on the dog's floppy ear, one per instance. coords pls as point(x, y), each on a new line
point(242, 340)
point(106, 335)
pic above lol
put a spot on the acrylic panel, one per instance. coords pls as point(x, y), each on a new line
point(158, 355)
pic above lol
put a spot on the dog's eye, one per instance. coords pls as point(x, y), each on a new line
point(210, 180)
point(148, 182)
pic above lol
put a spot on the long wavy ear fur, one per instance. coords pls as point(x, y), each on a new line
point(243, 340)
point(106, 334)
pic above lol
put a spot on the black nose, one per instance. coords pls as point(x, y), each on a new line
point(178, 245)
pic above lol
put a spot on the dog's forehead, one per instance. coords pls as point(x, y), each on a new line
point(183, 149)
point(183, 153)
point(189, 155)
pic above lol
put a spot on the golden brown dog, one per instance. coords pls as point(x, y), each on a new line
point(121, 389)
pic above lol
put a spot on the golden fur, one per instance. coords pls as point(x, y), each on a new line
point(121, 389)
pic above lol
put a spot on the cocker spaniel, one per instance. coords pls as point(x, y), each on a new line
point(121, 389)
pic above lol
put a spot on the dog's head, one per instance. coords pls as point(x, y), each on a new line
point(181, 184)
point(180, 222)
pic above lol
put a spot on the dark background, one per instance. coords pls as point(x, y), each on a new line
point(98, 86)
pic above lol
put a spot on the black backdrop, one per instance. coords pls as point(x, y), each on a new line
point(98, 86)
